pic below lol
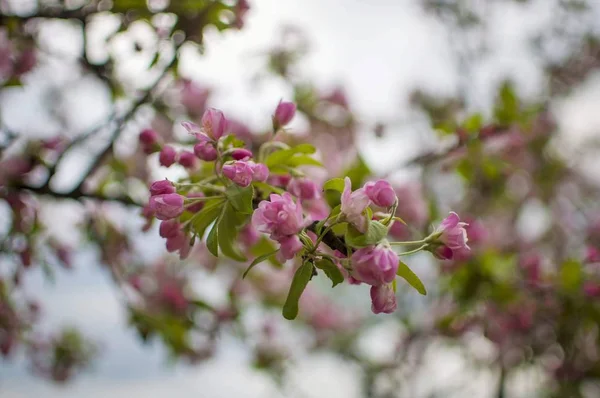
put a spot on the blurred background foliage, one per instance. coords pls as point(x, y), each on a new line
point(524, 300)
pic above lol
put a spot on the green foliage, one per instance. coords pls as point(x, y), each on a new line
point(331, 270)
point(507, 105)
point(375, 233)
point(283, 159)
point(358, 173)
point(335, 184)
point(302, 276)
point(408, 275)
point(206, 216)
point(571, 276)
point(228, 225)
point(259, 260)
point(240, 198)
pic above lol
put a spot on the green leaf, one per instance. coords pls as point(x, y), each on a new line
point(301, 279)
point(375, 233)
point(258, 260)
point(473, 123)
point(212, 242)
point(284, 156)
point(358, 173)
point(412, 278)
point(240, 198)
point(571, 275)
point(331, 270)
point(335, 184)
point(507, 105)
point(267, 188)
point(206, 216)
point(303, 160)
point(228, 226)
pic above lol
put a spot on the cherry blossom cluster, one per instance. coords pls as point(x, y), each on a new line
point(236, 196)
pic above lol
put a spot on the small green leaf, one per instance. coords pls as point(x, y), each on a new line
point(267, 188)
point(412, 278)
point(570, 275)
point(206, 216)
point(212, 242)
point(375, 233)
point(301, 279)
point(258, 260)
point(358, 173)
point(303, 160)
point(331, 270)
point(240, 198)
point(473, 123)
point(284, 156)
point(228, 226)
point(335, 184)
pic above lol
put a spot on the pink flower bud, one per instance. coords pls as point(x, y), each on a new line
point(167, 156)
point(161, 187)
point(167, 206)
point(240, 172)
point(592, 255)
point(375, 265)
point(279, 180)
point(26, 62)
point(383, 299)
point(176, 242)
point(194, 97)
point(205, 151)
point(241, 154)
point(187, 159)
point(591, 289)
point(214, 123)
point(260, 172)
point(381, 193)
point(354, 204)
point(453, 233)
point(196, 207)
point(443, 253)
point(279, 217)
point(284, 113)
point(148, 137)
point(289, 247)
point(169, 228)
point(304, 189)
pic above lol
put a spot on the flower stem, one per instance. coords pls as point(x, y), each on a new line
point(410, 242)
point(418, 249)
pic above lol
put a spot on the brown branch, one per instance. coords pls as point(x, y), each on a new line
point(75, 195)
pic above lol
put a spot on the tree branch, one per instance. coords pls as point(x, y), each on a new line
point(77, 195)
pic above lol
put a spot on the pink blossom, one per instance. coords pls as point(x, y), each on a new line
point(383, 299)
point(25, 62)
point(375, 265)
point(187, 159)
point(317, 209)
point(194, 97)
point(169, 229)
point(592, 255)
point(167, 206)
point(260, 172)
point(443, 252)
point(179, 242)
point(591, 289)
point(279, 217)
point(354, 204)
point(241, 154)
point(240, 172)
point(453, 233)
point(304, 189)
point(289, 247)
point(248, 235)
point(381, 193)
point(412, 208)
point(284, 113)
point(149, 140)
point(205, 151)
point(167, 156)
point(161, 187)
point(197, 206)
point(214, 123)
point(279, 180)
